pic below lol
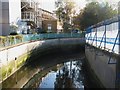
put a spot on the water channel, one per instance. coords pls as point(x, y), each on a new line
point(54, 70)
point(69, 72)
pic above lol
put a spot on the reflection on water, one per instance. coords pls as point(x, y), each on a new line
point(34, 72)
point(68, 75)
point(48, 81)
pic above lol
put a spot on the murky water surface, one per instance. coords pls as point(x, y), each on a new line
point(56, 70)
point(67, 75)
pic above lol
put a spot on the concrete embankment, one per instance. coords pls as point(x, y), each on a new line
point(9, 54)
point(104, 72)
point(15, 57)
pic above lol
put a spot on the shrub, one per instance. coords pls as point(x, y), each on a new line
point(11, 39)
point(13, 33)
point(19, 37)
point(3, 40)
point(10, 70)
point(4, 74)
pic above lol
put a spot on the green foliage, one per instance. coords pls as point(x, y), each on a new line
point(13, 33)
point(10, 68)
point(13, 27)
point(64, 10)
point(3, 40)
point(4, 74)
point(19, 37)
point(93, 13)
point(66, 27)
point(10, 39)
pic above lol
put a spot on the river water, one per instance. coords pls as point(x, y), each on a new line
point(54, 70)
point(68, 75)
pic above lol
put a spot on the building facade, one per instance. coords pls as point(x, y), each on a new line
point(10, 14)
point(46, 15)
point(25, 16)
point(4, 18)
point(49, 26)
point(39, 17)
point(31, 14)
point(50, 23)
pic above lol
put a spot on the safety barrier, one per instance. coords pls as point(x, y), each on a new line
point(105, 35)
point(35, 37)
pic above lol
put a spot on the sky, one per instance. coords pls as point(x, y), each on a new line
point(50, 4)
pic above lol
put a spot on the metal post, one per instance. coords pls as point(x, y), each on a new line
point(89, 39)
point(105, 38)
point(96, 36)
point(70, 69)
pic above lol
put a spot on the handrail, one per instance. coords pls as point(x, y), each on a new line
point(35, 37)
point(113, 50)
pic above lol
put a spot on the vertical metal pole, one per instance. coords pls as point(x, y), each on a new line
point(70, 69)
point(90, 37)
point(105, 38)
point(96, 36)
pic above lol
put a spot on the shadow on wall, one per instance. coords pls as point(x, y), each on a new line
point(49, 55)
point(43, 54)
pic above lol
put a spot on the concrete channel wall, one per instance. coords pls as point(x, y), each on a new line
point(103, 51)
point(9, 54)
point(98, 60)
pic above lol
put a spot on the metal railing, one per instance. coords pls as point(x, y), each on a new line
point(106, 36)
point(35, 37)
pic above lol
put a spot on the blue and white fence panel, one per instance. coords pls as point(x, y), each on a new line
point(105, 35)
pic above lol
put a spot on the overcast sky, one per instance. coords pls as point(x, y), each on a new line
point(50, 4)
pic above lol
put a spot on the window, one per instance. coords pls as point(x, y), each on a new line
point(49, 27)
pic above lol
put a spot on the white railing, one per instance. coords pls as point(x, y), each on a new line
point(105, 36)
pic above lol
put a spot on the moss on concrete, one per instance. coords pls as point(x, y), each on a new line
point(13, 65)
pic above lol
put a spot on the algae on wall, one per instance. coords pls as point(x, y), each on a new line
point(12, 66)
